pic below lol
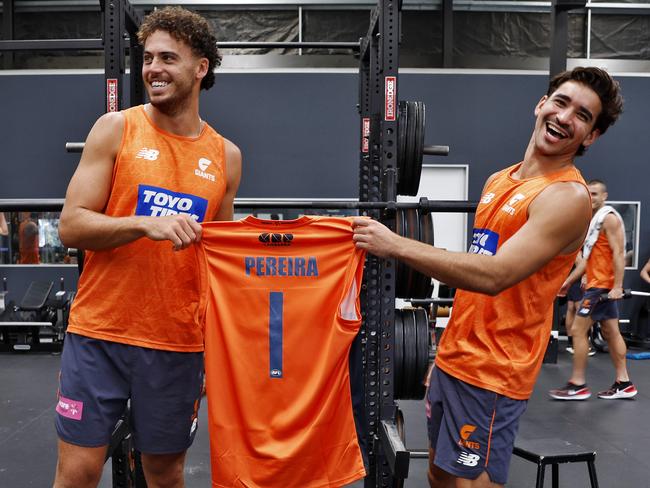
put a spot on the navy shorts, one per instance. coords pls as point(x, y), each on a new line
point(575, 293)
point(471, 429)
point(595, 307)
point(98, 378)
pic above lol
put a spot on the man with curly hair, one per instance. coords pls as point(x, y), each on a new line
point(147, 177)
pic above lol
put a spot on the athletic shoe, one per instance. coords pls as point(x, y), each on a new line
point(571, 392)
point(591, 352)
point(623, 389)
point(569, 349)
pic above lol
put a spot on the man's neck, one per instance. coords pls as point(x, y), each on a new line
point(536, 164)
point(185, 122)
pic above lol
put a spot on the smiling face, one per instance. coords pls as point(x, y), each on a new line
point(171, 71)
point(565, 120)
point(598, 194)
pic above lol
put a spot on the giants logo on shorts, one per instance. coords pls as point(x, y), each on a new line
point(159, 202)
point(465, 432)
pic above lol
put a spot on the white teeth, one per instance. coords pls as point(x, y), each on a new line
point(555, 131)
point(159, 84)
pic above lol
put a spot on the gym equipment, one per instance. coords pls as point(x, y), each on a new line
point(554, 452)
point(414, 224)
point(411, 148)
point(38, 322)
point(412, 354)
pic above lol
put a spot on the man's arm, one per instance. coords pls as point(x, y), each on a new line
point(557, 223)
point(84, 226)
point(645, 272)
point(575, 275)
point(233, 172)
point(616, 239)
point(4, 229)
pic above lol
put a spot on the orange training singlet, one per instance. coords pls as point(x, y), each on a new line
point(498, 342)
point(144, 293)
point(283, 311)
point(600, 265)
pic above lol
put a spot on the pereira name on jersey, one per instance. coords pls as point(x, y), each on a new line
point(281, 266)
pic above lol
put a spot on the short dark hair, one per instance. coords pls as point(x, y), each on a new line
point(607, 89)
point(595, 181)
point(189, 27)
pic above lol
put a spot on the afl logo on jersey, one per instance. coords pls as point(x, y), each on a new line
point(273, 239)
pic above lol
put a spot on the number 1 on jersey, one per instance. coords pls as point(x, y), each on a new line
point(276, 302)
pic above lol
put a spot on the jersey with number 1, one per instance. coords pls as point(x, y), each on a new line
point(282, 313)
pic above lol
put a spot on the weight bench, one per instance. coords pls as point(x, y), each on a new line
point(555, 451)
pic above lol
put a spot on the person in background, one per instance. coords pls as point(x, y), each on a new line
point(603, 260)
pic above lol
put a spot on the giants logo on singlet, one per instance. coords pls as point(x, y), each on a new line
point(201, 171)
point(484, 241)
point(159, 202)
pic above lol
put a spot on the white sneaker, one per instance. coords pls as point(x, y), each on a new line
point(569, 349)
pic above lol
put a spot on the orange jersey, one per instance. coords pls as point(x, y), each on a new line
point(600, 265)
point(144, 293)
point(283, 311)
point(498, 342)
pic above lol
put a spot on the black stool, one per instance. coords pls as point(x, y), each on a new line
point(554, 452)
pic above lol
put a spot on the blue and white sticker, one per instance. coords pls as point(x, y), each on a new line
point(159, 202)
point(484, 241)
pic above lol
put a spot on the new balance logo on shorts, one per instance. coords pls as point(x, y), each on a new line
point(468, 459)
point(159, 202)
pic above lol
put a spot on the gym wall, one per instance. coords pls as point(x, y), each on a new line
point(298, 132)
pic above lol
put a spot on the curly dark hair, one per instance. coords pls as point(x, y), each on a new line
point(189, 27)
point(607, 89)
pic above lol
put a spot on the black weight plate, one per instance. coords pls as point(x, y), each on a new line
point(412, 232)
point(401, 274)
point(402, 123)
point(410, 355)
point(423, 344)
point(413, 169)
point(424, 285)
point(416, 167)
point(406, 183)
point(398, 355)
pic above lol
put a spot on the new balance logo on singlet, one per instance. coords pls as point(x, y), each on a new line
point(148, 154)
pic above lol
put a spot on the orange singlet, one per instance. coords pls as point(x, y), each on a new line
point(600, 265)
point(498, 343)
point(144, 293)
point(282, 313)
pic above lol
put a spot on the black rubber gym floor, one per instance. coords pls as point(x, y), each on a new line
point(617, 429)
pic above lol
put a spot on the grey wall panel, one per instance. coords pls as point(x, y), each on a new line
point(298, 132)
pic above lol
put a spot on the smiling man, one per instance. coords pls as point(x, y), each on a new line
point(531, 220)
point(147, 177)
